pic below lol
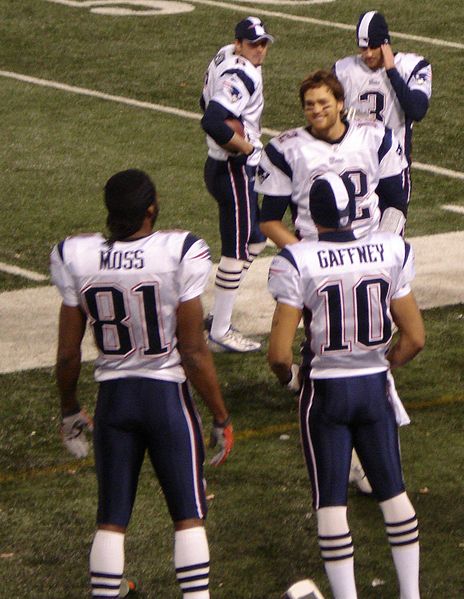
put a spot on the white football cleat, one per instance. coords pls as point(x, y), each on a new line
point(358, 476)
point(304, 589)
point(233, 341)
point(128, 585)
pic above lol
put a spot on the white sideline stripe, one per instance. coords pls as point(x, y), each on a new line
point(175, 111)
point(22, 272)
point(96, 94)
point(453, 208)
point(289, 17)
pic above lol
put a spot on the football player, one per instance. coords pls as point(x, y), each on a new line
point(393, 88)
point(139, 290)
point(233, 91)
point(367, 153)
point(353, 288)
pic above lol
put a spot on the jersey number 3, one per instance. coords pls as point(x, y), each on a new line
point(111, 322)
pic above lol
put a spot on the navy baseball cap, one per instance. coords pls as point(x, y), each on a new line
point(332, 201)
point(372, 30)
point(252, 29)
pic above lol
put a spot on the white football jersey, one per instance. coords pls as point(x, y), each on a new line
point(346, 287)
point(236, 84)
point(130, 292)
point(292, 161)
point(371, 95)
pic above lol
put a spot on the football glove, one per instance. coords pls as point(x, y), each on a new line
point(73, 433)
point(294, 383)
point(222, 436)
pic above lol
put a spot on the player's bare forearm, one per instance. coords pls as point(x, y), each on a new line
point(196, 358)
point(68, 361)
point(411, 341)
point(239, 144)
point(280, 353)
point(278, 232)
point(200, 371)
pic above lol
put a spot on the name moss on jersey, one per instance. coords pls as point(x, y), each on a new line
point(293, 160)
point(130, 292)
point(346, 287)
point(236, 84)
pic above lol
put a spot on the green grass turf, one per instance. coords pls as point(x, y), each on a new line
point(261, 526)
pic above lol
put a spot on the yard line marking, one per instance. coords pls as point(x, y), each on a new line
point(453, 208)
point(176, 111)
point(72, 466)
point(22, 272)
point(438, 170)
point(290, 17)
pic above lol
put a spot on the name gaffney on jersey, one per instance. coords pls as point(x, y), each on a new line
point(371, 252)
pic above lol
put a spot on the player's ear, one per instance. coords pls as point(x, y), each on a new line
point(238, 46)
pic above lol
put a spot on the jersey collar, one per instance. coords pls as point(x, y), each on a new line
point(337, 236)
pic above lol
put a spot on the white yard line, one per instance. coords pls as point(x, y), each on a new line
point(30, 316)
point(453, 208)
point(321, 22)
point(22, 272)
point(438, 170)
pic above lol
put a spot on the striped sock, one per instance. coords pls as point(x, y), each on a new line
point(337, 552)
point(226, 287)
point(106, 563)
point(191, 558)
point(403, 535)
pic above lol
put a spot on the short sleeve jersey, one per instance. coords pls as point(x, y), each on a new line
point(130, 293)
point(345, 286)
point(236, 84)
point(371, 95)
point(367, 153)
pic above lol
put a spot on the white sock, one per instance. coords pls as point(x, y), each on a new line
point(191, 559)
point(337, 551)
point(403, 536)
point(254, 249)
point(226, 287)
point(106, 563)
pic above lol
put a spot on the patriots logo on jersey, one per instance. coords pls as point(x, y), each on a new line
point(421, 78)
point(232, 91)
point(219, 58)
point(262, 174)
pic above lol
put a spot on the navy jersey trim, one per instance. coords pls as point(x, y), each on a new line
point(337, 236)
point(289, 256)
point(420, 65)
point(244, 77)
point(274, 207)
point(407, 251)
point(278, 160)
point(385, 145)
point(60, 248)
point(188, 242)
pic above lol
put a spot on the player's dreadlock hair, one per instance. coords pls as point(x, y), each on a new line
point(127, 197)
point(319, 78)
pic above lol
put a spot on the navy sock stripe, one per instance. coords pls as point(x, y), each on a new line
point(105, 575)
point(402, 523)
point(334, 537)
point(196, 589)
point(405, 532)
point(192, 567)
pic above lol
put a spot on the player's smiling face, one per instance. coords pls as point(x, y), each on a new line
point(372, 57)
point(255, 52)
point(323, 113)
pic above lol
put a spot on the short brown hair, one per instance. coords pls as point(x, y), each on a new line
point(319, 78)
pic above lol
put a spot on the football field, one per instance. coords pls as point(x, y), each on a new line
point(88, 88)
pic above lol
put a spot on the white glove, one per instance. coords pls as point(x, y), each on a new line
point(392, 221)
point(222, 435)
point(73, 433)
point(401, 415)
point(294, 383)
